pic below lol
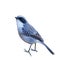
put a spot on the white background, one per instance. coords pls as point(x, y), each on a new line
point(44, 15)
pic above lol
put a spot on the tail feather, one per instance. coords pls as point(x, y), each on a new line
point(48, 49)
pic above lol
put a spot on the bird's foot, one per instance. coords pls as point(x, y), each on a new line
point(27, 51)
point(34, 50)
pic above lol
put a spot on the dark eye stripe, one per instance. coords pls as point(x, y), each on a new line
point(22, 20)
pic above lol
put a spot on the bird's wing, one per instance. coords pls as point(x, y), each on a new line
point(37, 36)
point(31, 32)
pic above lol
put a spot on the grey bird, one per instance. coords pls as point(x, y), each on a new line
point(29, 34)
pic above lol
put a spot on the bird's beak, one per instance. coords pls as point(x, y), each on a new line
point(15, 17)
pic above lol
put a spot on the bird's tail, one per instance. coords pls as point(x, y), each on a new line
point(48, 49)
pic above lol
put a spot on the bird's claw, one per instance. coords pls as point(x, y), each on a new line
point(34, 50)
point(27, 52)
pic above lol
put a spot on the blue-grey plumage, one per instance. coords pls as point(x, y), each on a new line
point(29, 34)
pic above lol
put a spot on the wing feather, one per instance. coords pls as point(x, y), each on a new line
point(31, 32)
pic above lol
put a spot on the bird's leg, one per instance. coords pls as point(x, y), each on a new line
point(28, 50)
point(34, 48)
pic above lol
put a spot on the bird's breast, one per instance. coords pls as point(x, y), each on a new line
point(19, 24)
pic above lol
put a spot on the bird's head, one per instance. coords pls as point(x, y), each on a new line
point(21, 19)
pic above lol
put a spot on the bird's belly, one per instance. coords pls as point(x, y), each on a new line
point(28, 39)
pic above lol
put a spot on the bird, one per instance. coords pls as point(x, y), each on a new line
point(29, 34)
